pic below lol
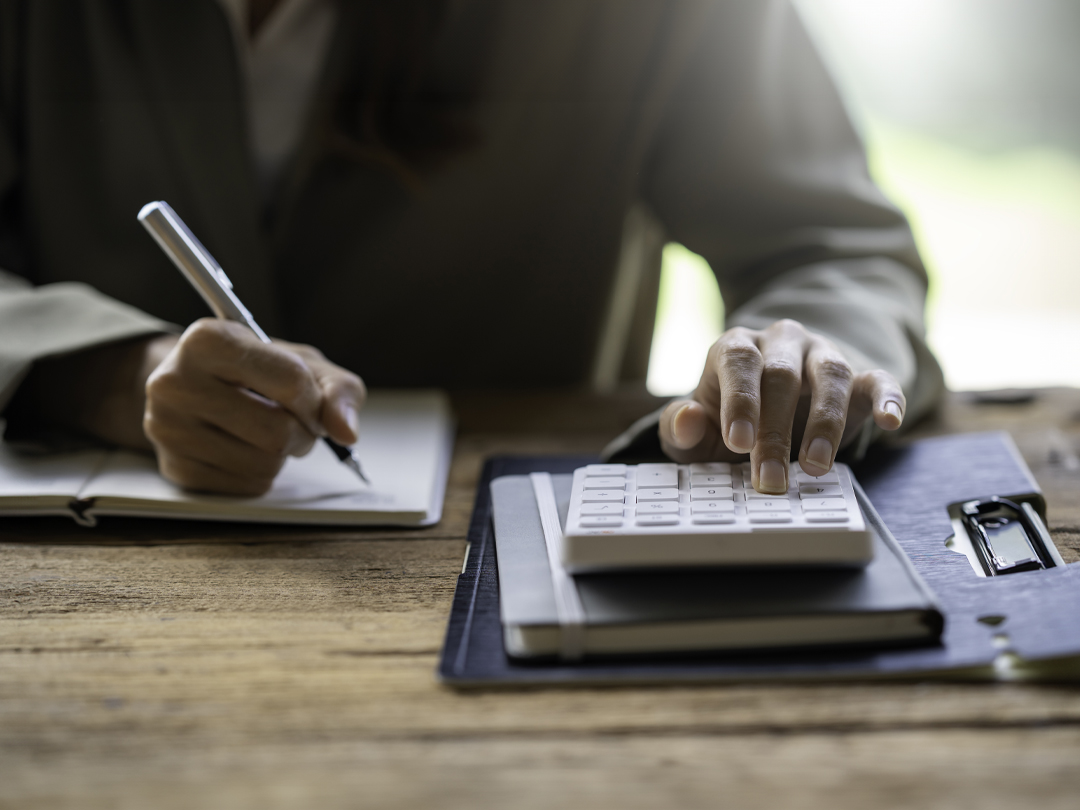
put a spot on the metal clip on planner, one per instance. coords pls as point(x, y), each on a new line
point(1004, 535)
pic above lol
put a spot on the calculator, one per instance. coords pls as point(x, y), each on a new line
point(625, 516)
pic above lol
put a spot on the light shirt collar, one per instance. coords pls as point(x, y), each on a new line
point(281, 66)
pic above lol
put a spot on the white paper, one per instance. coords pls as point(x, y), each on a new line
point(403, 449)
point(25, 475)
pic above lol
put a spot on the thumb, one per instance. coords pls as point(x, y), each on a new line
point(878, 394)
point(688, 434)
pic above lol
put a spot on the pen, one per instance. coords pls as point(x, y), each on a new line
point(206, 276)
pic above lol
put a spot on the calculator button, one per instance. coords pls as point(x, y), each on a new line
point(827, 517)
point(600, 521)
point(710, 467)
point(602, 496)
point(657, 475)
point(771, 517)
point(701, 507)
point(774, 505)
point(820, 491)
point(713, 517)
point(711, 493)
point(657, 520)
point(602, 508)
point(830, 477)
point(644, 495)
point(658, 508)
point(710, 480)
point(754, 495)
point(599, 470)
point(824, 505)
point(605, 483)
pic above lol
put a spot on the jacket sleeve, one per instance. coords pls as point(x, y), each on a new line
point(757, 167)
point(54, 319)
point(37, 323)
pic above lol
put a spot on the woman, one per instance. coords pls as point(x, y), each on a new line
point(463, 194)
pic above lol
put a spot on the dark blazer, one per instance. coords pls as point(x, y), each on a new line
point(603, 128)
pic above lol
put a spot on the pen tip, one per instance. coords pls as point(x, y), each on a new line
point(354, 465)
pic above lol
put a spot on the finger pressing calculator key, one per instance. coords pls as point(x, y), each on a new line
point(625, 516)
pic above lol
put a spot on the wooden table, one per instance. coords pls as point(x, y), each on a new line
point(168, 665)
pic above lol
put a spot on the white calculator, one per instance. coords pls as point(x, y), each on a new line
point(671, 515)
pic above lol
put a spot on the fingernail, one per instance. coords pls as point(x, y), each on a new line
point(819, 453)
point(893, 409)
point(675, 422)
point(352, 419)
point(772, 476)
point(741, 436)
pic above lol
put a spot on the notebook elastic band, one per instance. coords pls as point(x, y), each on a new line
point(567, 602)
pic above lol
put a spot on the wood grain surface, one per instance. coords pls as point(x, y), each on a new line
point(153, 664)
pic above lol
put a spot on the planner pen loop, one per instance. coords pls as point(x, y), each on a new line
point(206, 276)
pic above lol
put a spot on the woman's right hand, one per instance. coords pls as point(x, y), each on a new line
point(224, 410)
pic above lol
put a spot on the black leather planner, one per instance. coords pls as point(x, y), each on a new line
point(1022, 625)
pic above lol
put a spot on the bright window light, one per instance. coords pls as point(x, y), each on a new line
point(689, 318)
point(967, 110)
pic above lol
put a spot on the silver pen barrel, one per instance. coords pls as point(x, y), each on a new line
point(197, 265)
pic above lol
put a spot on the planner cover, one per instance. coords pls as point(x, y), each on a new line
point(1008, 627)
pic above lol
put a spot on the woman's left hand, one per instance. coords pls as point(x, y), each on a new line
point(763, 388)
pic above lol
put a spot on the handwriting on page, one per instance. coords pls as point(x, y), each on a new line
point(320, 476)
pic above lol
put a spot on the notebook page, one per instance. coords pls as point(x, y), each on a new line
point(402, 447)
point(26, 477)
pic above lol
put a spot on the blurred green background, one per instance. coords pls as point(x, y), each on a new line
point(970, 110)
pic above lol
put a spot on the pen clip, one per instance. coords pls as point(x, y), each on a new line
point(196, 263)
point(224, 279)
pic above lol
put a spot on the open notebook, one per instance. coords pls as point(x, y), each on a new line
point(405, 444)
